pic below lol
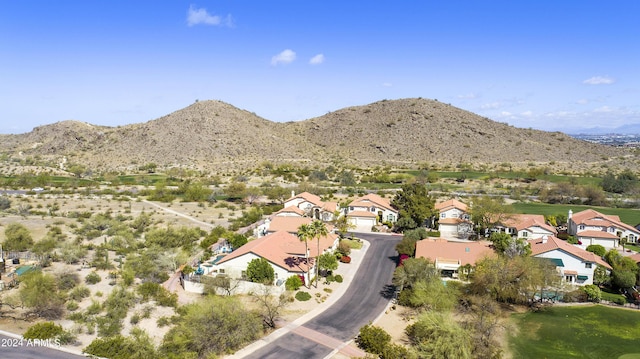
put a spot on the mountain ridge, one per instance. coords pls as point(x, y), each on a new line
point(216, 135)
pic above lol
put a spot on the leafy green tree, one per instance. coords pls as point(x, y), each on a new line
point(277, 193)
point(211, 327)
point(259, 270)
point(501, 241)
point(601, 275)
point(438, 335)
point(430, 294)
point(342, 223)
point(413, 201)
point(196, 192)
point(593, 292)
point(137, 346)
point(412, 270)
point(235, 191)
point(17, 238)
point(624, 278)
point(328, 262)
point(406, 246)
point(509, 246)
point(39, 292)
point(487, 211)
point(597, 249)
point(373, 339)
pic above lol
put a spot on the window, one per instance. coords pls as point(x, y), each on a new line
point(587, 265)
point(351, 208)
point(455, 215)
point(373, 209)
point(243, 275)
point(221, 271)
point(581, 227)
point(443, 215)
point(525, 234)
point(568, 279)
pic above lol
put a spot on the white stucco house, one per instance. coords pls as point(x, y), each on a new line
point(284, 251)
point(527, 226)
point(593, 227)
point(313, 206)
point(574, 264)
point(453, 219)
point(369, 210)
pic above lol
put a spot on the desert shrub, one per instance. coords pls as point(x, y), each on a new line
point(44, 330)
point(293, 283)
point(345, 259)
point(338, 278)
point(68, 280)
point(303, 296)
point(72, 305)
point(163, 321)
point(373, 339)
point(93, 278)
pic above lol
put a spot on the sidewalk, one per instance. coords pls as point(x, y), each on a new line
point(296, 325)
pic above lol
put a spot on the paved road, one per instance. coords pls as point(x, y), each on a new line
point(365, 299)
point(12, 348)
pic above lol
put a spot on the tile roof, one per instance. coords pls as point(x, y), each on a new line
point(597, 234)
point(291, 209)
point(442, 250)
point(283, 249)
point(452, 203)
point(309, 197)
point(635, 257)
point(362, 214)
point(524, 221)
point(551, 243)
point(289, 224)
point(365, 201)
point(452, 221)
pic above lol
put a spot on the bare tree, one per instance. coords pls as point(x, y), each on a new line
point(271, 305)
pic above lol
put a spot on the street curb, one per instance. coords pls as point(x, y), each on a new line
point(60, 348)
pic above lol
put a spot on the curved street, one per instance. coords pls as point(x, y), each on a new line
point(366, 297)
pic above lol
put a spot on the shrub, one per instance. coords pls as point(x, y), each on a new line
point(79, 293)
point(593, 292)
point(338, 278)
point(93, 278)
point(72, 305)
point(596, 249)
point(44, 330)
point(293, 283)
point(373, 339)
point(345, 259)
point(573, 240)
point(303, 296)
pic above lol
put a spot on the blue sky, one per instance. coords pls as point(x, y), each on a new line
point(552, 65)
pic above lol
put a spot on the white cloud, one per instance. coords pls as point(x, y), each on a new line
point(490, 106)
point(527, 114)
point(285, 57)
point(201, 16)
point(468, 96)
point(317, 60)
point(599, 80)
point(387, 84)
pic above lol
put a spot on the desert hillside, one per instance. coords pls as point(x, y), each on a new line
point(214, 135)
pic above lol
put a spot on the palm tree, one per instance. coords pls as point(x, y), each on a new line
point(318, 230)
point(304, 234)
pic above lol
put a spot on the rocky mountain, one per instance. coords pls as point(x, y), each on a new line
point(214, 135)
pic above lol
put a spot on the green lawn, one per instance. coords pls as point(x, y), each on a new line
point(576, 332)
point(627, 215)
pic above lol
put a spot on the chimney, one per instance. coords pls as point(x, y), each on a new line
point(569, 215)
point(293, 194)
point(545, 238)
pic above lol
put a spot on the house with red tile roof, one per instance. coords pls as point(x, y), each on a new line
point(575, 265)
point(593, 227)
point(453, 219)
point(284, 251)
point(313, 206)
point(369, 210)
point(449, 256)
point(635, 257)
point(527, 226)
